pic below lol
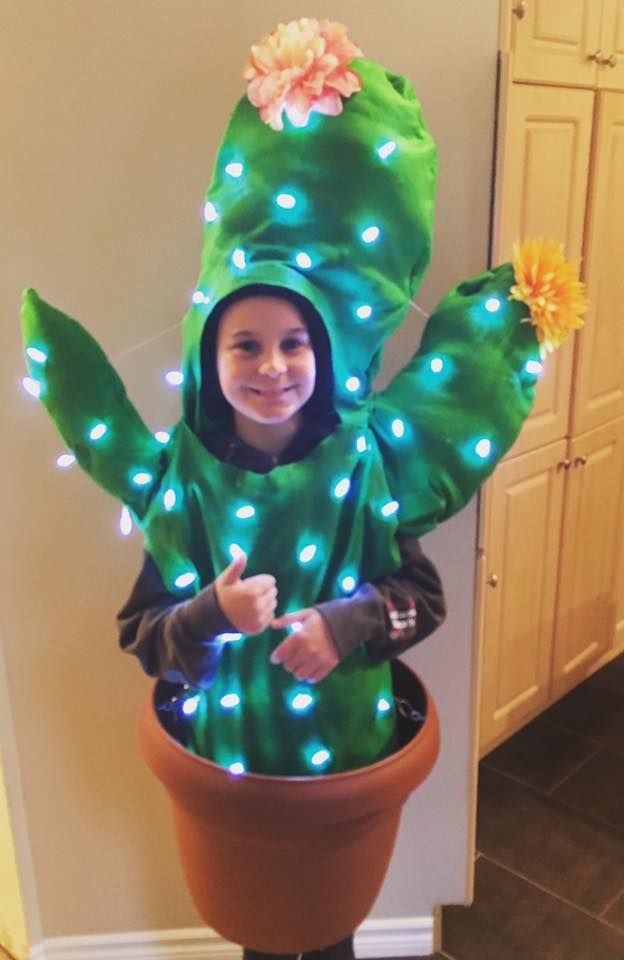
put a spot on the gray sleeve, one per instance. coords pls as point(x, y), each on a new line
point(178, 641)
point(393, 613)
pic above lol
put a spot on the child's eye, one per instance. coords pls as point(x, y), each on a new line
point(247, 346)
point(294, 343)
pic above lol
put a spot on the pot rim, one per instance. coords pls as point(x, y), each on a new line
point(398, 667)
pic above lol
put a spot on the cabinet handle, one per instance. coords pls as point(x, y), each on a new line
point(597, 57)
point(564, 465)
point(492, 580)
point(519, 9)
point(610, 61)
point(580, 461)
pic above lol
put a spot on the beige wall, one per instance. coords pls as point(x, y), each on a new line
point(111, 113)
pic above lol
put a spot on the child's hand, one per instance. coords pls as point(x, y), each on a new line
point(309, 652)
point(248, 604)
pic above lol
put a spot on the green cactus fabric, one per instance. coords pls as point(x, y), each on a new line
point(340, 211)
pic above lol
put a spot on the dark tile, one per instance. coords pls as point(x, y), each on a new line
point(615, 913)
point(593, 711)
point(512, 920)
point(598, 789)
point(541, 754)
point(542, 840)
point(611, 676)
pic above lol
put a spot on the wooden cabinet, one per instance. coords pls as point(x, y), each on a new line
point(588, 568)
point(541, 190)
point(522, 529)
point(599, 380)
point(568, 42)
point(551, 583)
point(552, 574)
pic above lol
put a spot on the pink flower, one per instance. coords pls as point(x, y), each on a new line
point(302, 66)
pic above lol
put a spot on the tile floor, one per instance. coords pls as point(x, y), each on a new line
point(549, 879)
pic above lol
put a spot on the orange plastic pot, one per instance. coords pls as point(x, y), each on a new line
point(290, 864)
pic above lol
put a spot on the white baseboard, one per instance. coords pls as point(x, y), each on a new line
point(400, 937)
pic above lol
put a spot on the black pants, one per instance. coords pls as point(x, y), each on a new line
point(338, 951)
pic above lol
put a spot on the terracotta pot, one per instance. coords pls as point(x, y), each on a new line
point(290, 864)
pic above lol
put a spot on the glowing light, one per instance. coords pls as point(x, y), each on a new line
point(398, 428)
point(296, 626)
point(125, 522)
point(383, 705)
point(308, 553)
point(238, 259)
point(235, 550)
point(244, 513)
point(348, 584)
point(98, 431)
point(364, 312)
point(320, 757)
point(230, 700)
point(33, 387)
point(185, 579)
point(303, 260)
point(190, 705)
point(342, 488)
point(534, 368)
point(229, 637)
point(169, 499)
point(162, 436)
point(234, 170)
point(286, 201)
point(301, 702)
point(65, 460)
point(211, 214)
point(390, 508)
point(237, 768)
point(37, 355)
point(360, 444)
point(492, 305)
point(200, 297)
point(371, 234)
point(483, 448)
point(386, 149)
point(353, 384)
point(142, 479)
point(174, 378)
point(437, 364)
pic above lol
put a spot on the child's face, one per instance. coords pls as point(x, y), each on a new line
point(265, 360)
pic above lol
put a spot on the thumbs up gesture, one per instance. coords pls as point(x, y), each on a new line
point(248, 604)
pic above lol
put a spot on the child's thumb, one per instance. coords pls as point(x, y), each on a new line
point(234, 572)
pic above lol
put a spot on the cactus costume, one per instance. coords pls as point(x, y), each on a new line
point(336, 204)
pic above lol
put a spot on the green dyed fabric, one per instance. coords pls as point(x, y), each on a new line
point(340, 211)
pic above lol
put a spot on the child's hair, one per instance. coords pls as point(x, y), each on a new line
point(321, 403)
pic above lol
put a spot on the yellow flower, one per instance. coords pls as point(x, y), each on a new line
point(301, 67)
point(550, 286)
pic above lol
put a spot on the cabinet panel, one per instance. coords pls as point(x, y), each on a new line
point(586, 605)
point(599, 380)
point(523, 503)
point(611, 76)
point(541, 191)
point(553, 41)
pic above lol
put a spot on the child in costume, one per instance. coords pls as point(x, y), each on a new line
point(321, 202)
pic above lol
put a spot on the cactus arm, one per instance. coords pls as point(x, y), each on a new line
point(461, 400)
point(81, 391)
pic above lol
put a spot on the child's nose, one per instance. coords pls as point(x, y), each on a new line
point(272, 365)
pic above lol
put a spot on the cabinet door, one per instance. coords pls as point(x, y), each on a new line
point(599, 379)
point(541, 190)
point(553, 41)
point(523, 507)
point(611, 74)
point(586, 608)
